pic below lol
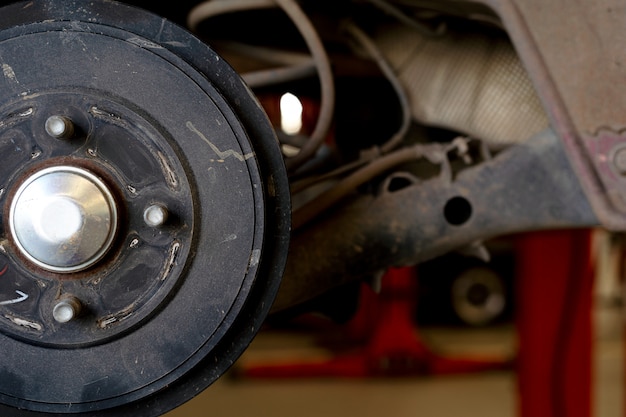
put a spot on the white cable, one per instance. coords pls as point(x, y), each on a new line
point(316, 47)
point(213, 8)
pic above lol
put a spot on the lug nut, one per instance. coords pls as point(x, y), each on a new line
point(66, 309)
point(156, 215)
point(59, 127)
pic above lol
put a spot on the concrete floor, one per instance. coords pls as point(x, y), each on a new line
point(450, 396)
point(487, 394)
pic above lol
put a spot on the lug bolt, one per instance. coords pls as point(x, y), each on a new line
point(59, 127)
point(619, 160)
point(66, 309)
point(156, 215)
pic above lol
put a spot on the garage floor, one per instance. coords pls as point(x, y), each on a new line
point(485, 394)
point(488, 394)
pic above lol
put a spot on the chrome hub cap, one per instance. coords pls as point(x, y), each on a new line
point(63, 219)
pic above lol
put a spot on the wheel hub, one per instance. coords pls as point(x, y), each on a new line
point(63, 219)
point(140, 183)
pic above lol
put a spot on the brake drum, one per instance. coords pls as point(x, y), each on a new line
point(145, 212)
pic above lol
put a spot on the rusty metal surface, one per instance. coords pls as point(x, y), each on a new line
point(574, 52)
point(530, 186)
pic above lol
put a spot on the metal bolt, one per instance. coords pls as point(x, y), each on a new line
point(619, 160)
point(156, 215)
point(66, 309)
point(59, 127)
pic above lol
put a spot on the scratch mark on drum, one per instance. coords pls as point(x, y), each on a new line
point(221, 154)
point(22, 297)
point(9, 74)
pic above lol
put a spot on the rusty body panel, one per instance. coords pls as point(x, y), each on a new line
point(573, 51)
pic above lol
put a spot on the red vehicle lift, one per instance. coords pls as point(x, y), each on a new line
point(555, 273)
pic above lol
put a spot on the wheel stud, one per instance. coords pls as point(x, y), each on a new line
point(156, 215)
point(66, 309)
point(59, 127)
